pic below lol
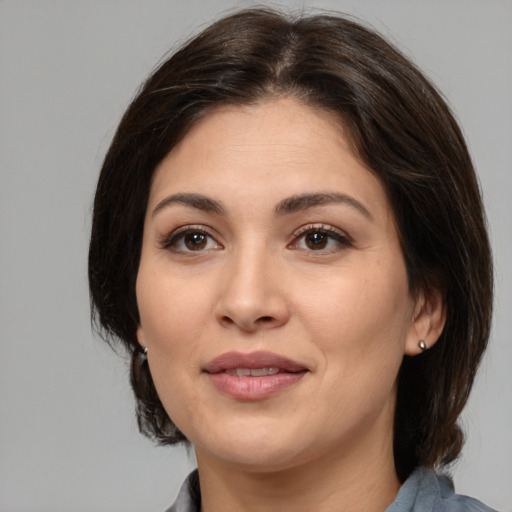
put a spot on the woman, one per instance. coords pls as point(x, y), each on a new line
point(289, 240)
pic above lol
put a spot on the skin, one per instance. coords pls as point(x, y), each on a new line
point(324, 285)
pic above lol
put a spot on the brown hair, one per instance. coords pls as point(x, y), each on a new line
point(400, 128)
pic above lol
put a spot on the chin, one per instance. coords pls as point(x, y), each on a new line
point(262, 448)
point(259, 459)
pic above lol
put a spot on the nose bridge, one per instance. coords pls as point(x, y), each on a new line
point(252, 297)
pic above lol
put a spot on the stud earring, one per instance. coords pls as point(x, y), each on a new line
point(422, 345)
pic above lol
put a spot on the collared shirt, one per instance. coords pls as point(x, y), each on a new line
point(423, 491)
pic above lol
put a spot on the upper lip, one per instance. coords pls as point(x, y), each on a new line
point(253, 360)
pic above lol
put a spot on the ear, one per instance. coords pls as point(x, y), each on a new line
point(141, 337)
point(427, 323)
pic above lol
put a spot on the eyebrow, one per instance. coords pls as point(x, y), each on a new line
point(304, 201)
point(195, 200)
point(287, 206)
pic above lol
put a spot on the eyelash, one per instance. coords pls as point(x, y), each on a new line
point(170, 241)
point(341, 239)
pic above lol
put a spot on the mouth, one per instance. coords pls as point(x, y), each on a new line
point(252, 372)
point(253, 362)
point(253, 376)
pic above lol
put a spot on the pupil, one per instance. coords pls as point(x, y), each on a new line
point(316, 241)
point(195, 241)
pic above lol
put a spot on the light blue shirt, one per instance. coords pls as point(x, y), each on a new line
point(423, 491)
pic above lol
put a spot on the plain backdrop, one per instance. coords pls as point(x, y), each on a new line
point(68, 68)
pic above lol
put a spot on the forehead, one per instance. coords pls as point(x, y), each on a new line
point(263, 152)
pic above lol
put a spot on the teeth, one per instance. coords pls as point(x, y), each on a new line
point(239, 372)
point(260, 372)
point(253, 372)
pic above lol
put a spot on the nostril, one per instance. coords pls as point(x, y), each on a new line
point(227, 320)
point(265, 319)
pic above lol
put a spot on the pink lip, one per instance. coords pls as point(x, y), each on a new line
point(251, 387)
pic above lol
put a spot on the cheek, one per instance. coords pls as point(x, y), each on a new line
point(361, 340)
point(362, 321)
point(170, 331)
point(171, 334)
point(172, 313)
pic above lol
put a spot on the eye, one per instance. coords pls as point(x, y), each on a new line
point(189, 239)
point(320, 238)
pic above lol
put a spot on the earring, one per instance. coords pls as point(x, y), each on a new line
point(145, 351)
point(422, 345)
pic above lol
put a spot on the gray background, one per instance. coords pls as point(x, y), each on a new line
point(68, 439)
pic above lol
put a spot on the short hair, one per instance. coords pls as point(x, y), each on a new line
point(399, 127)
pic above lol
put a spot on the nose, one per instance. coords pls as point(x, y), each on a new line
point(252, 297)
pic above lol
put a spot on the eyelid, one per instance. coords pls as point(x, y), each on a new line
point(342, 237)
point(166, 241)
point(323, 227)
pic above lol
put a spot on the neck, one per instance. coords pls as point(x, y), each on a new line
point(359, 481)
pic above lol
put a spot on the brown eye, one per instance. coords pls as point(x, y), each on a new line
point(195, 241)
point(188, 240)
point(323, 239)
point(316, 240)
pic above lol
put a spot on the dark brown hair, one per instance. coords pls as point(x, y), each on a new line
point(400, 128)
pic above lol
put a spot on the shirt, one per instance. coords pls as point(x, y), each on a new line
point(423, 491)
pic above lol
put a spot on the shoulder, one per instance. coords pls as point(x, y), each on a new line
point(426, 491)
point(189, 496)
point(423, 491)
point(452, 502)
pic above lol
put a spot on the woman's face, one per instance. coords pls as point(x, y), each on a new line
point(272, 290)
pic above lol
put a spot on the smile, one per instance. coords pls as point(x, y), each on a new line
point(252, 372)
point(253, 376)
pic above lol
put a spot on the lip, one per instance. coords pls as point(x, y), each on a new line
point(253, 387)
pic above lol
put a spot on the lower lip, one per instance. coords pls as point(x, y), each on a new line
point(253, 388)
